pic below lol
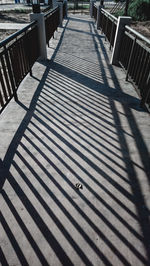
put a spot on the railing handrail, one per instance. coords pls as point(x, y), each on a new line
point(138, 35)
point(46, 9)
point(16, 34)
point(109, 15)
point(51, 11)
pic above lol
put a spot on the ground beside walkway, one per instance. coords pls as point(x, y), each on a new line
point(12, 26)
point(11, 6)
point(77, 121)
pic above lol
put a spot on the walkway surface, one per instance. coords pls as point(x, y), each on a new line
point(77, 121)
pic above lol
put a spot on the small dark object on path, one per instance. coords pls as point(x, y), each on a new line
point(79, 186)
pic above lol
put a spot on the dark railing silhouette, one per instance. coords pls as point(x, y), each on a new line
point(64, 9)
point(135, 59)
point(17, 57)
point(95, 12)
point(108, 24)
point(19, 52)
point(51, 23)
point(134, 53)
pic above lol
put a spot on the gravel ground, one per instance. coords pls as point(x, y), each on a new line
point(13, 17)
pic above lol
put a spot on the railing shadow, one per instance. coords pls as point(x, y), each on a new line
point(73, 132)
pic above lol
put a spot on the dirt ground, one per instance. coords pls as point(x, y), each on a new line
point(142, 27)
point(23, 17)
point(12, 17)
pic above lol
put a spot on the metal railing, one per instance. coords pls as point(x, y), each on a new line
point(51, 23)
point(134, 57)
point(17, 55)
point(108, 24)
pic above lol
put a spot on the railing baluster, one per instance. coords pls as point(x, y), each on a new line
point(147, 92)
point(139, 65)
point(140, 70)
point(106, 28)
point(1, 100)
point(137, 61)
point(3, 86)
point(130, 58)
point(145, 66)
point(111, 35)
point(10, 74)
point(102, 15)
point(20, 49)
point(6, 76)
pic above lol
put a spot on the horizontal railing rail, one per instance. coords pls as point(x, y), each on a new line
point(51, 23)
point(47, 9)
point(17, 55)
point(108, 24)
point(134, 57)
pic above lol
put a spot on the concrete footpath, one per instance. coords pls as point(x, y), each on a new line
point(75, 168)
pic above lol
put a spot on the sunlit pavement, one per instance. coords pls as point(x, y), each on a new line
point(75, 170)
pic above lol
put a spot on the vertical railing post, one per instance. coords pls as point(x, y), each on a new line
point(66, 8)
point(39, 17)
point(91, 7)
point(122, 21)
point(98, 16)
point(60, 4)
